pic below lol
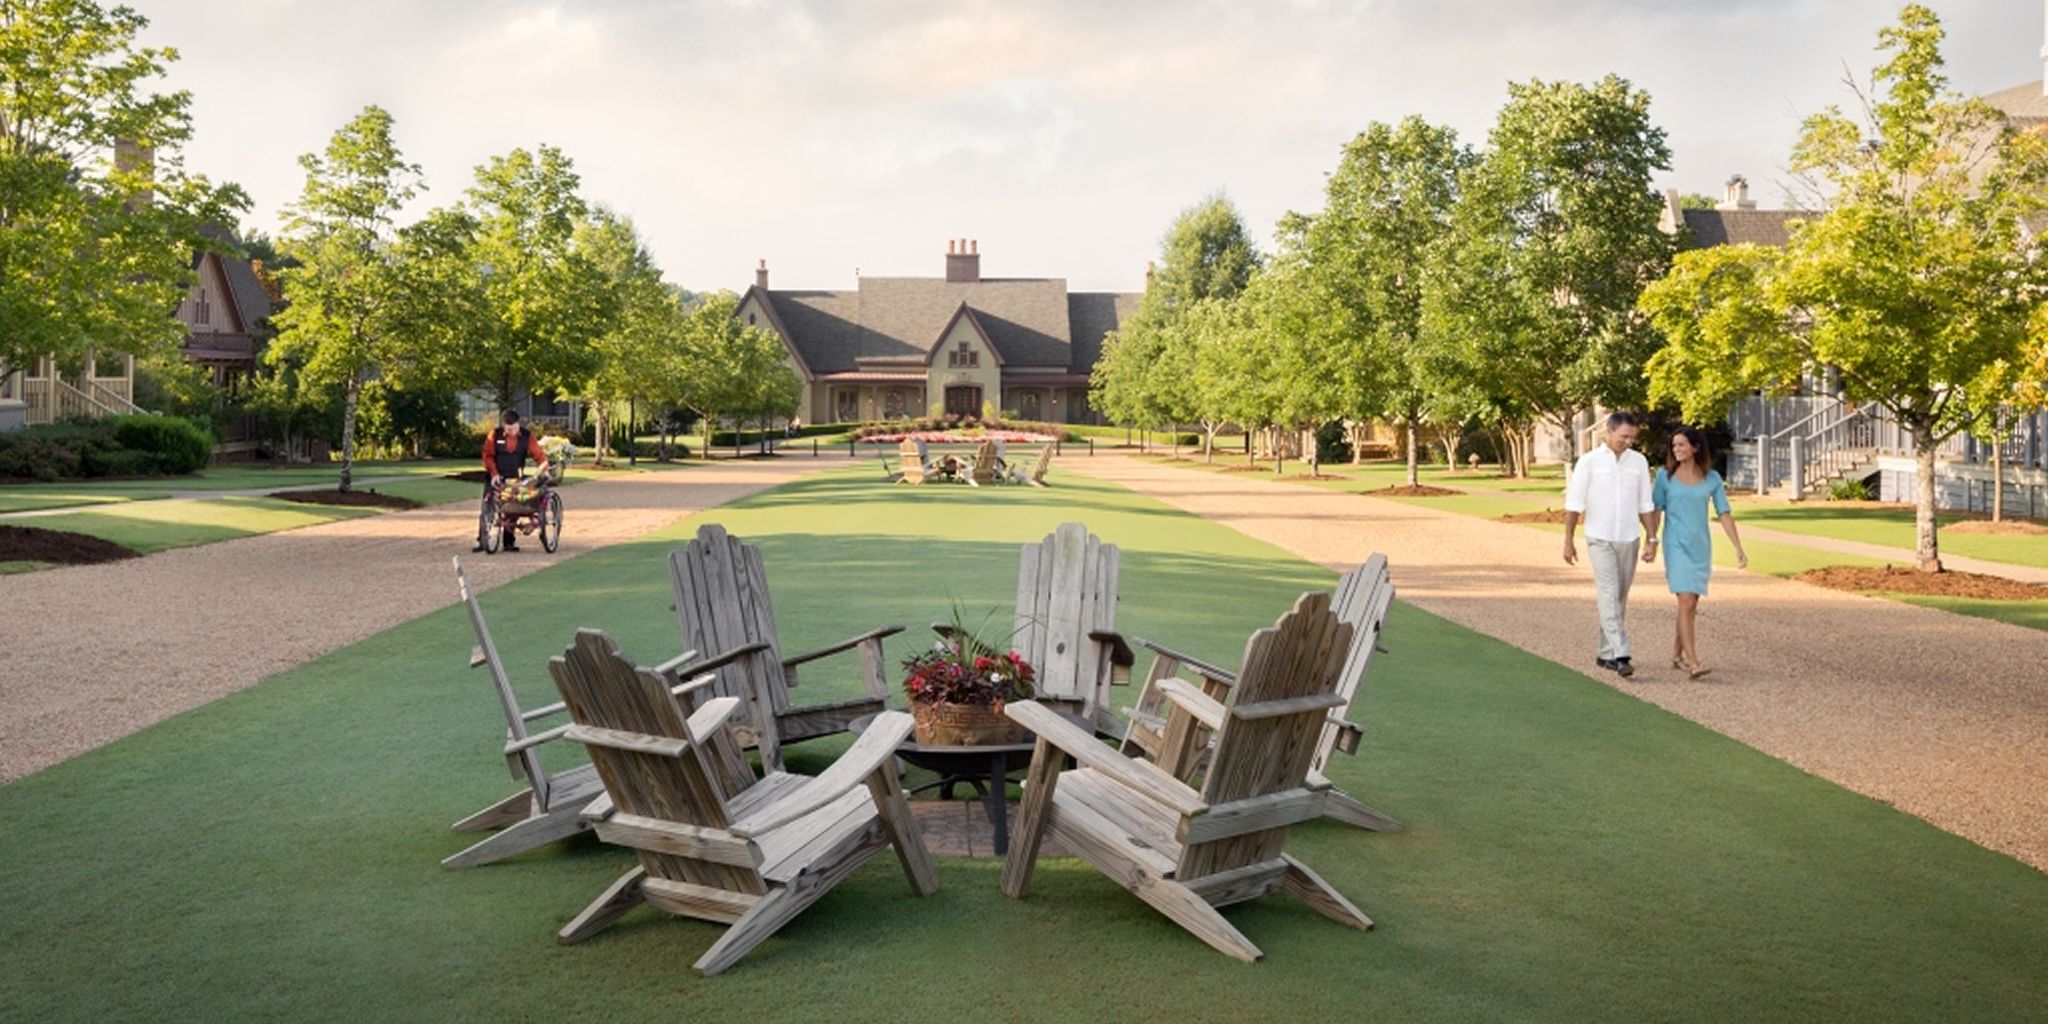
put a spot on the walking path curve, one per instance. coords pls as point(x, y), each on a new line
point(96, 652)
point(1944, 716)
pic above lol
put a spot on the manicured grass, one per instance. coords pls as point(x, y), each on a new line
point(2030, 614)
point(10, 568)
point(1892, 527)
point(25, 497)
point(1573, 854)
point(149, 526)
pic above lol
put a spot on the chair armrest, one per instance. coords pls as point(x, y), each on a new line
point(1141, 777)
point(872, 752)
point(727, 658)
point(477, 657)
point(712, 716)
point(674, 666)
point(1348, 734)
point(1119, 652)
point(530, 742)
point(1207, 671)
point(844, 645)
point(1205, 709)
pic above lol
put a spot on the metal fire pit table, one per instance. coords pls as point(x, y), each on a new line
point(986, 768)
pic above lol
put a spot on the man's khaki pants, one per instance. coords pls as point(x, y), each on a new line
point(1614, 569)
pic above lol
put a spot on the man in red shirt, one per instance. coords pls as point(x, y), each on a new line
point(506, 449)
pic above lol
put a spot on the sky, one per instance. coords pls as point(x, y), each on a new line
point(857, 137)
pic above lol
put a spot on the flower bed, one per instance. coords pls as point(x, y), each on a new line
point(960, 429)
point(960, 436)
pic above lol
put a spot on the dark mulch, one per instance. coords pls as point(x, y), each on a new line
point(2009, 527)
point(352, 499)
point(35, 544)
point(1548, 515)
point(1897, 580)
point(1417, 491)
point(1246, 469)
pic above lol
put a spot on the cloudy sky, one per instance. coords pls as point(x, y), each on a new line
point(1064, 135)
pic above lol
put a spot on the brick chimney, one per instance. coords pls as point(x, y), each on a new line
point(761, 275)
point(1737, 195)
point(131, 157)
point(963, 261)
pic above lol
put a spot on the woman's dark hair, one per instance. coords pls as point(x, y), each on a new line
point(1700, 455)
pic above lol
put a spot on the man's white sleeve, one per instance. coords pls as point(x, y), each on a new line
point(1647, 499)
point(1575, 488)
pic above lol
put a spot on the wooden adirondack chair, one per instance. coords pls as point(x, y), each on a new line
point(715, 842)
point(1065, 622)
point(721, 591)
point(1361, 600)
point(1186, 852)
point(913, 462)
point(551, 805)
point(987, 468)
point(1035, 474)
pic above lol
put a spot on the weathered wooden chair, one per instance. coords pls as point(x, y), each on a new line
point(551, 805)
point(1065, 622)
point(914, 462)
point(722, 606)
point(1035, 473)
point(987, 467)
point(1187, 852)
point(714, 841)
point(1361, 601)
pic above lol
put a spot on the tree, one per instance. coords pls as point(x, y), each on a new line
point(733, 368)
point(538, 295)
point(1553, 237)
point(347, 302)
point(1387, 210)
point(98, 219)
point(646, 318)
point(1914, 286)
point(1698, 201)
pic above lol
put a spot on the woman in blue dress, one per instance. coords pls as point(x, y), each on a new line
point(1684, 488)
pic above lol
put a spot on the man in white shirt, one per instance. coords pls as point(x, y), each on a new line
point(1610, 490)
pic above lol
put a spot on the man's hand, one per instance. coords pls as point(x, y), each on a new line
point(497, 481)
point(1571, 552)
point(1650, 552)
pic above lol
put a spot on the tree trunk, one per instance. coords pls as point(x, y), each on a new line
point(602, 433)
point(1208, 444)
point(1926, 544)
point(1450, 444)
point(1414, 469)
point(350, 394)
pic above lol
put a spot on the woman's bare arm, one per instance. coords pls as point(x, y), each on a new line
point(1728, 526)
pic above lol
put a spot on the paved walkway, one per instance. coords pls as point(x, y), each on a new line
point(94, 653)
point(1944, 716)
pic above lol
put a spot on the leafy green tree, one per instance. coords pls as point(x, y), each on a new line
point(346, 315)
point(1552, 239)
point(1698, 201)
point(1918, 282)
point(646, 320)
point(732, 368)
point(1386, 214)
point(98, 219)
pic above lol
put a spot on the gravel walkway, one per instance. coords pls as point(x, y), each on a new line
point(97, 652)
point(1944, 716)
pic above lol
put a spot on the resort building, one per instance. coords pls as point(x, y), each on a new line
point(961, 343)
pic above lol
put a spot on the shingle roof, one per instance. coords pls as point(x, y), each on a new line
point(1033, 322)
point(1709, 228)
point(252, 303)
point(2023, 104)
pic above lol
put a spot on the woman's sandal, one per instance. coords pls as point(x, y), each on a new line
point(1698, 672)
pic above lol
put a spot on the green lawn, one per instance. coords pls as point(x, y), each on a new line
point(1892, 527)
point(149, 526)
point(1573, 854)
point(26, 497)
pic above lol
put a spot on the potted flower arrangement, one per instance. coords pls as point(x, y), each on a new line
point(958, 688)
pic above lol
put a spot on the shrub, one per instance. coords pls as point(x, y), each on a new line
point(1849, 490)
point(179, 445)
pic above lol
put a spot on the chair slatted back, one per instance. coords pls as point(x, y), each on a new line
point(1044, 460)
point(526, 763)
point(1363, 595)
point(911, 453)
point(1273, 720)
point(721, 591)
point(1066, 588)
point(985, 458)
point(605, 689)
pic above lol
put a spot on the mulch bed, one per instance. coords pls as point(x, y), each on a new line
point(35, 544)
point(2012, 527)
point(1417, 491)
point(352, 499)
point(1548, 515)
point(1246, 469)
point(1896, 580)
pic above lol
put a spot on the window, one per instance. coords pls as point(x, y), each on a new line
point(964, 356)
point(750, 319)
point(202, 311)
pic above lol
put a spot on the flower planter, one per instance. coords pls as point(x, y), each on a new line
point(945, 724)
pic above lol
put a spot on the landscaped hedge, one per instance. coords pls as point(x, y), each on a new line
point(117, 446)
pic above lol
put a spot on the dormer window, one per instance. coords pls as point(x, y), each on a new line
point(966, 356)
point(202, 311)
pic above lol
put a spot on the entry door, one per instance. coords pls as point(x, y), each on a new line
point(963, 400)
point(1027, 405)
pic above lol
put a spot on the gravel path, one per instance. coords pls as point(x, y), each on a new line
point(203, 622)
point(1944, 716)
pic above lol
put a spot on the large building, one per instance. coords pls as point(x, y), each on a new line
point(898, 347)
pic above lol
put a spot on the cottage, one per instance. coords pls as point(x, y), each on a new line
point(898, 347)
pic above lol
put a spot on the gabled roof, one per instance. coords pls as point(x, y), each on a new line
point(967, 313)
point(1092, 315)
point(2024, 104)
point(252, 303)
point(1773, 228)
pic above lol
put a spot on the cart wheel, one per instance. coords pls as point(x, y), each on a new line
point(487, 524)
point(551, 523)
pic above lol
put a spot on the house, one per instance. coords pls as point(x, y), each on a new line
point(224, 313)
point(961, 343)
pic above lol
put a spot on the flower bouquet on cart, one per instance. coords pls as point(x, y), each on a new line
point(560, 453)
point(957, 690)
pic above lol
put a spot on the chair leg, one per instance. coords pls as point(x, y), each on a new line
point(783, 904)
point(894, 808)
point(1032, 819)
point(1344, 807)
point(560, 823)
point(517, 807)
point(1195, 914)
point(1321, 896)
point(610, 905)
